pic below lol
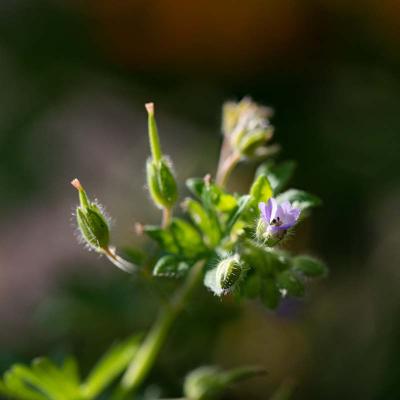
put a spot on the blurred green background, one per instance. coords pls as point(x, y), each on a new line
point(74, 76)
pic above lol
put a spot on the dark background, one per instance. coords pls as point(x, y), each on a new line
point(73, 80)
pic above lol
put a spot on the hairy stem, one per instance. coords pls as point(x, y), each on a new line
point(226, 168)
point(120, 262)
point(151, 346)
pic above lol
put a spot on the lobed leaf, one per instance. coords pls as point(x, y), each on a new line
point(113, 363)
point(170, 266)
point(278, 175)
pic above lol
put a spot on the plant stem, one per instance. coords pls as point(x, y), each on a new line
point(226, 168)
point(151, 346)
point(166, 217)
point(120, 262)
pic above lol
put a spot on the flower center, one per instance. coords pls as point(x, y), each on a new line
point(276, 222)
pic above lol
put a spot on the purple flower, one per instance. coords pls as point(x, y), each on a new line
point(278, 218)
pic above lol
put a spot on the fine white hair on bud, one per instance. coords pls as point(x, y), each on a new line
point(92, 222)
point(223, 278)
point(229, 272)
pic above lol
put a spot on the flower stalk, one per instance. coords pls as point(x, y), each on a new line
point(145, 357)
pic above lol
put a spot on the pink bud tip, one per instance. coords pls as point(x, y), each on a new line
point(150, 108)
point(76, 184)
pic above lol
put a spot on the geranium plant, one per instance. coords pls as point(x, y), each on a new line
point(232, 243)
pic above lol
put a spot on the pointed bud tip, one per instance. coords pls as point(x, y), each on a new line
point(150, 108)
point(76, 184)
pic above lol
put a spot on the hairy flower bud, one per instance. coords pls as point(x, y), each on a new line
point(161, 183)
point(160, 179)
point(92, 223)
point(246, 125)
point(228, 272)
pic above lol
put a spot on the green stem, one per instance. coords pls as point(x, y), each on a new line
point(226, 169)
point(151, 346)
point(166, 217)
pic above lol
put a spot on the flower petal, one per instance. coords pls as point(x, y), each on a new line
point(273, 205)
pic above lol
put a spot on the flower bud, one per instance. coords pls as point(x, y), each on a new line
point(228, 273)
point(160, 179)
point(247, 126)
point(161, 183)
point(92, 223)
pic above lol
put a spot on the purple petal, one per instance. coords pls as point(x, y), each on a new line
point(295, 213)
point(273, 207)
point(265, 211)
point(286, 207)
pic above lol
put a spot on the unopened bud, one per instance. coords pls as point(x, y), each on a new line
point(92, 222)
point(247, 126)
point(160, 179)
point(228, 273)
point(161, 183)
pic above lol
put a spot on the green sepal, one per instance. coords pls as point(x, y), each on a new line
point(161, 183)
point(93, 227)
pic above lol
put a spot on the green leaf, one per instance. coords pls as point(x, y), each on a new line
point(21, 376)
point(110, 366)
point(163, 237)
point(170, 266)
point(252, 286)
point(309, 266)
point(278, 175)
point(260, 191)
point(187, 238)
point(14, 387)
point(242, 206)
point(71, 370)
point(288, 281)
point(300, 199)
point(214, 198)
point(195, 185)
point(54, 380)
point(269, 294)
point(205, 221)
